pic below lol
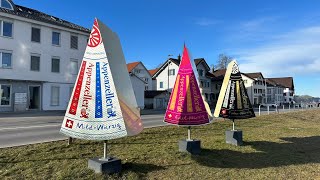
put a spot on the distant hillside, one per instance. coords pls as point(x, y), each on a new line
point(305, 99)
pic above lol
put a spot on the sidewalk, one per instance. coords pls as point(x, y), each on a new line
point(32, 114)
point(62, 112)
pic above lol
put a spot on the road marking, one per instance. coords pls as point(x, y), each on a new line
point(29, 127)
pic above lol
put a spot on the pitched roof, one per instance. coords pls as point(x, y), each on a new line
point(42, 17)
point(219, 74)
point(154, 93)
point(177, 62)
point(254, 75)
point(284, 81)
point(153, 71)
point(131, 66)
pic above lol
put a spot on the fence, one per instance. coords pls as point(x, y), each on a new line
point(281, 109)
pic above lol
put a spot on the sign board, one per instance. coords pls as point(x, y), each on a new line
point(102, 105)
point(186, 105)
point(233, 101)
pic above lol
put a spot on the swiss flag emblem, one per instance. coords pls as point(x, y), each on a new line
point(69, 123)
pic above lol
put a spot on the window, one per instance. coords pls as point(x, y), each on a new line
point(55, 93)
point(255, 91)
point(146, 87)
point(200, 71)
point(146, 79)
point(201, 84)
point(5, 95)
point(35, 63)
point(6, 28)
point(245, 81)
point(73, 42)
point(208, 84)
point(172, 72)
point(55, 65)
point(6, 4)
point(137, 71)
point(56, 38)
point(74, 66)
point(161, 84)
point(35, 34)
point(5, 59)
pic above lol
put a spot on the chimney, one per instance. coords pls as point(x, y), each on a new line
point(179, 57)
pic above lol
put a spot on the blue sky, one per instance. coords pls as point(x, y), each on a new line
point(277, 38)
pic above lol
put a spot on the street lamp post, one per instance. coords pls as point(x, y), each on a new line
point(169, 62)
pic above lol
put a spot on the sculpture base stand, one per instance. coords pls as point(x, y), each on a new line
point(109, 166)
point(234, 137)
point(191, 146)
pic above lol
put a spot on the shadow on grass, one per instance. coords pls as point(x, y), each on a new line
point(140, 169)
point(270, 154)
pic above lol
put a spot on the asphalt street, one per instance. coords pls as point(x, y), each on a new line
point(18, 129)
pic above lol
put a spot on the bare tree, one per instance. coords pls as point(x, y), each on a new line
point(223, 61)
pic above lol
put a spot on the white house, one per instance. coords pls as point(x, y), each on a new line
point(141, 81)
point(138, 85)
point(165, 76)
point(256, 87)
point(141, 71)
point(274, 92)
point(288, 91)
point(39, 58)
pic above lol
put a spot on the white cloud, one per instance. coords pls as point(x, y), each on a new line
point(288, 54)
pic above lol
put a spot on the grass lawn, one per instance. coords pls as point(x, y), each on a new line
point(277, 146)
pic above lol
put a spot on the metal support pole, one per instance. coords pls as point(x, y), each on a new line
point(105, 152)
point(189, 132)
point(283, 107)
point(259, 109)
point(232, 124)
point(69, 141)
point(268, 107)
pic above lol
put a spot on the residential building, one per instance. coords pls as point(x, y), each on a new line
point(154, 82)
point(274, 92)
point(141, 71)
point(217, 80)
point(165, 76)
point(288, 92)
point(155, 99)
point(138, 85)
point(39, 58)
point(256, 87)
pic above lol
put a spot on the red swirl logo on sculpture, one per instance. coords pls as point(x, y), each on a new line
point(95, 36)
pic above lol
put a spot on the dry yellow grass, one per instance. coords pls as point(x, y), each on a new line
point(278, 146)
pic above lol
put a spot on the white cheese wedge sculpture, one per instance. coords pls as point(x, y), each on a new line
point(102, 105)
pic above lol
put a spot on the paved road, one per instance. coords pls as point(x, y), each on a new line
point(16, 130)
point(29, 128)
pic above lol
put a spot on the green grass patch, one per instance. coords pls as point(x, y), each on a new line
point(277, 146)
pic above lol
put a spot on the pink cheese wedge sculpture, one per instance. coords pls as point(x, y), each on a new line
point(102, 105)
point(186, 106)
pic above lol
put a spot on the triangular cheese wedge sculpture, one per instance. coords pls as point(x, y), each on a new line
point(102, 104)
point(233, 102)
point(186, 106)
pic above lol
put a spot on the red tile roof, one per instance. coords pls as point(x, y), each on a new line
point(132, 65)
point(153, 71)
